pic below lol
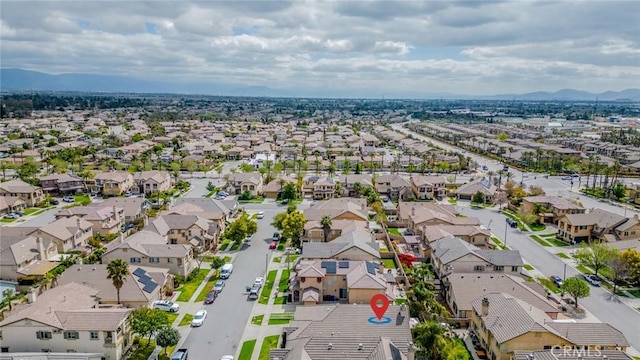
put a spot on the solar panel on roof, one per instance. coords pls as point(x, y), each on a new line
point(144, 278)
point(395, 353)
point(331, 267)
point(139, 272)
point(148, 288)
point(371, 268)
point(343, 264)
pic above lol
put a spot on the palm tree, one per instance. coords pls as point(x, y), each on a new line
point(326, 226)
point(117, 271)
point(357, 188)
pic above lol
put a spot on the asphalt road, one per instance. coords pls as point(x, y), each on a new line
point(600, 303)
point(227, 316)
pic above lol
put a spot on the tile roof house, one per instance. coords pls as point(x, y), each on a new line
point(314, 232)
point(417, 215)
point(339, 209)
point(343, 332)
point(460, 289)
point(27, 258)
point(324, 188)
point(453, 254)
point(62, 184)
point(10, 204)
point(354, 282)
point(474, 234)
point(347, 183)
point(30, 194)
point(134, 207)
point(505, 324)
point(70, 233)
point(185, 229)
point(141, 287)
point(66, 319)
point(104, 219)
point(112, 183)
point(149, 182)
point(551, 207)
point(426, 187)
point(467, 191)
point(394, 186)
point(597, 224)
point(570, 354)
point(353, 245)
point(241, 182)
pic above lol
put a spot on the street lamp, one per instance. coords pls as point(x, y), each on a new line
point(506, 225)
point(564, 277)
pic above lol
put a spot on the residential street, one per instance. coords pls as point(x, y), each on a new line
point(228, 315)
point(601, 304)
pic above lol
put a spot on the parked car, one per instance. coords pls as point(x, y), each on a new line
point(276, 236)
point(211, 297)
point(512, 223)
point(227, 357)
point(292, 250)
point(574, 175)
point(198, 318)
point(12, 215)
point(68, 199)
point(567, 177)
point(166, 305)
point(259, 281)
point(285, 201)
point(128, 193)
point(260, 215)
point(385, 199)
point(54, 202)
point(592, 279)
point(273, 245)
point(226, 270)
point(557, 280)
point(180, 354)
point(485, 168)
point(219, 285)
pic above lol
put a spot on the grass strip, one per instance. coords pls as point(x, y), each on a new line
point(540, 241)
point(283, 285)
point(247, 350)
point(257, 320)
point(268, 343)
point(528, 267)
point(280, 318)
point(186, 320)
point(268, 286)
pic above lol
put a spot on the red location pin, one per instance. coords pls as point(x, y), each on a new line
point(379, 305)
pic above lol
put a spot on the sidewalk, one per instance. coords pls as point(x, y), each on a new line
point(259, 332)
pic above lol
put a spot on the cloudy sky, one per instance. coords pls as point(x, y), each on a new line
point(468, 47)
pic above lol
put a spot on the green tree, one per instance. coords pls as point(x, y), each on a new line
point(289, 192)
point(137, 137)
point(189, 165)
point(577, 288)
point(595, 255)
point(618, 190)
point(28, 169)
point(325, 222)
point(293, 227)
point(240, 229)
point(146, 322)
point(217, 263)
point(478, 198)
point(632, 258)
point(117, 272)
point(166, 337)
point(277, 220)
point(619, 269)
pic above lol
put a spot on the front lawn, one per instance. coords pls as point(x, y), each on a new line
point(235, 246)
point(268, 343)
point(537, 227)
point(394, 231)
point(30, 211)
point(258, 200)
point(207, 288)
point(280, 300)
point(144, 350)
point(172, 317)
point(583, 269)
point(556, 242)
point(224, 245)
point(268, 286)
point(188, 288)
point(186, 320)
point(247, 350)
point(276, 259)
point(83, 200)
point(549, 284)
point(389, 263)
point(280, 318)
point(257, 320)
point(452, 201)
point(283, 285)
point(7, 220)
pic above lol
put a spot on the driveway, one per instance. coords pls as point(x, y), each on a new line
point(601, 303)
point(228, 315)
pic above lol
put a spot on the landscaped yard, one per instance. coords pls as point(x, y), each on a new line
point(144, 350)
point(188, 288)
point(280, 318)
point(283, 285)
point(172, 317)
point(394, 231)
point(258, 200)
point(257, 320)
point(452, 201)
point(276, 259)
point(7, 220)
point(224, 245)
point(30, 211)
point(82, 199)
point(207, 287)
point(549, 284)
point(537, 227)
point(268, 343)
point(280, 300)
point(555, 242)
point(247, 350)
point(400, 301)
point(540, 240)
point(268, 286)
point(389, 263)
point(235, 246)
point(186, 320)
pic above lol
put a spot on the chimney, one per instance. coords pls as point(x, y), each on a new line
point(32, 295)
point(411, 355)
point(121, 237)
point(485, 306)
point(413, 211)
point(78, 223)
point(115, 213)
point(40, 247)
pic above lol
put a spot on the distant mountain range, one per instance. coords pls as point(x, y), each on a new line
point(18, 79)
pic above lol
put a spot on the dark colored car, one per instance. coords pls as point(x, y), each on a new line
point(54, 202)
point(211, 297)
point(557, 280)
point(512, 223)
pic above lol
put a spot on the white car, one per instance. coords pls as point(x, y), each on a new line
point(261, 215)
point(198, 318)
point(259, 281)
point(227, 357)
point(166, 305)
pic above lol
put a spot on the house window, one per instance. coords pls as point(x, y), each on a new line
point(478, 268)
point(174, 241)
point(154, 260)
point(94, 335)
point(134, 260)
point(169, 260)
point(514, 269)
point(498, 268)
point(344, 293)
point(4, 349)
point(71, 335)
point(43, 335)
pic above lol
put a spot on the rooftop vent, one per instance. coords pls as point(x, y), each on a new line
point(360, 346)
point(330, 346)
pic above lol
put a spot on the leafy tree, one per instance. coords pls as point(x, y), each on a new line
point(618, 190)
point(502, 136)
point(137, 137)
point(238, 230)
point(293, 227)
point(167, 337)
point(210, 186)
point(595, 255)
point(146, 321)
point(535, 190)
point(277, 220)
point(244, 167)
point(577, 288)
point(632, 258)
point(325, 222)
point(619, 270)
point(7, 297)
point(245, 195)
point(434, 343)
point(289, 192)
point(478, 198)
point(117, 272)
point(189, 165)
point(28, 169)
point(217, 263)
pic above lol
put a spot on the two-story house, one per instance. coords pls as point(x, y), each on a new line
point(353, 245)
point(104, 219)
point(112, 183)
point(348, 183)
point(28, 193)
point(394, 186)
point(597, 224)
point(67, 319)
point(147, 248)
point(427, 187)
point(149, 182)
point(354, 282)
point(26, 260)
point(134, 207)
point(10, 204)
point(324, 188)
point(483, 186)
point(62, 184)
point(451, 254)
point(505, 324)
point(473, 234)
point(417, 215)
point(550, 208)
point(185, 229)
point(241, 182)
point(68, 234)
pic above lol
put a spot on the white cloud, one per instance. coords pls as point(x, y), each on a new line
point(476, 47)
